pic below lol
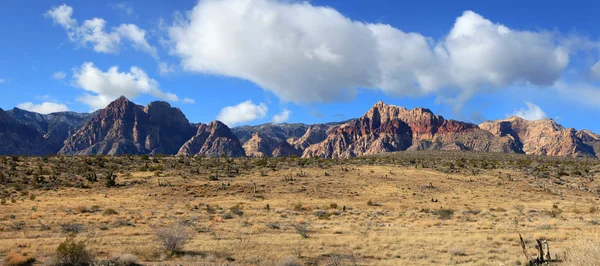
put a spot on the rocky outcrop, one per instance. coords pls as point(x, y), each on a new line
point(273, 131)
point(265, 145)
point(17, 138)
point(314, 134)
point(213, 140)
point(126, 128)
point(387, 128)
point(546, 137)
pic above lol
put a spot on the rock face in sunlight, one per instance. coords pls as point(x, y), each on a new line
point(212, 139)
point(126, 128)
point(546, 137)
point(388, 128)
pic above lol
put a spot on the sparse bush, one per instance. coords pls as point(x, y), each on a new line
point(73, 253)
point(303, 229)
point(289, 262)
point(444, 214)
point(109, 212)
point(273, 225)
point(584, 250)
point(72, 228)
point(173, 238)
point(14, 259)
point(457, 251)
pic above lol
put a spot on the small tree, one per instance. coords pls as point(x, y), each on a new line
point(173, 238)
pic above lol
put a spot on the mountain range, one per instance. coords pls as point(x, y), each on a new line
point(124, 127)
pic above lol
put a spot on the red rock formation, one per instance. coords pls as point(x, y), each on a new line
point(126, 128)
point(386, 128)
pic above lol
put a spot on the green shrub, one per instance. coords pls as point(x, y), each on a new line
point(73, 253)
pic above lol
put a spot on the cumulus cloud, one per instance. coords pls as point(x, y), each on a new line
point(532, 112)
point(305, 53)
point(282, 117)
point(242, 113)
point(43, 108)
point(59, 75)
point(105, 87)
point(92, 32)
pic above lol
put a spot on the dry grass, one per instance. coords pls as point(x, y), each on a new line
point(422, 216)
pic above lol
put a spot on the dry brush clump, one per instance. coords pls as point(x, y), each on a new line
point(173, 238)
point(584, 250)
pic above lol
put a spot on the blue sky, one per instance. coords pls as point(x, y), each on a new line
point(252, 62)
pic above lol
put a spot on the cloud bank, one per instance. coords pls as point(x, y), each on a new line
point(305, 53)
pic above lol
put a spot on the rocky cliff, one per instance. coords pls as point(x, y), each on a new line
point(213, 139)
point(546, 137)
point(386, 128)
point(126, 128)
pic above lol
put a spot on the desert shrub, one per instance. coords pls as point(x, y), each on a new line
point(237, 209)
point(173, 238)
point(110, 180)
point(120, 260)
point(72, 228)
point(322, 214)
point(109, 212)
point(289, 262)
point(303, 229)
point(73, 253)
point(584, 250)
point(14, 259)
point(273, 225)
point(444, 214)
point(457, 251)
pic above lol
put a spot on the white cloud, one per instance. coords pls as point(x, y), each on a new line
point(92, 32)
point(43, 108)
point(1, 80)
point(282, 117)
point(166, 68)
point(126, 7)
point(59, 75)
point(109, 85)
point(305, 53)
point(242, 113)
point(188, 100)
point(532, 112)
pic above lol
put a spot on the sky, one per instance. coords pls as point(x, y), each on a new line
point(260, 61)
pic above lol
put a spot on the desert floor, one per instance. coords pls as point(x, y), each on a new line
point(356, 212)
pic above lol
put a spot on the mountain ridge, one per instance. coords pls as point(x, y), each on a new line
point(124, 127)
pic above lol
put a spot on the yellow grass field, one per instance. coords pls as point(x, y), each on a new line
point(376, 211)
